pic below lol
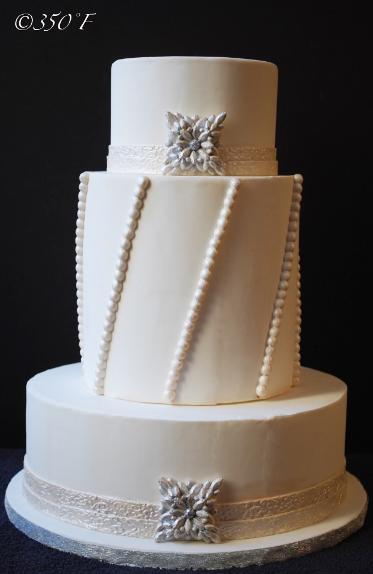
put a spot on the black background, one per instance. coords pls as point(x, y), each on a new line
point(55, 104)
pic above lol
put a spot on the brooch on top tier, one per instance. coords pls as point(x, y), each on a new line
point(193, 145)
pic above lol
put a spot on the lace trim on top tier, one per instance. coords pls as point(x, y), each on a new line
point(150, 159)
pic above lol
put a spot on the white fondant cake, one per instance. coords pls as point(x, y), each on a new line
point(188, 288)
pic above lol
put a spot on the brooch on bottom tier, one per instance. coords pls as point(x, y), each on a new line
point(188, 511)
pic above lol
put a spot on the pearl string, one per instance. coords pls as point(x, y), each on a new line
point(125, 248)
point(287, 265)
point(200, 293)
point(298, 329)
point(79, 240)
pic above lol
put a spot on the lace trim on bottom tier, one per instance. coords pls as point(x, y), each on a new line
point(239, 520)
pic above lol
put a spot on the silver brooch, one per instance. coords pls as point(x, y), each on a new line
point(192, 146)
point(187, 510)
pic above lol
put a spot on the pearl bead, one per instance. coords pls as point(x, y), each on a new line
point(276, 322)
point(290, 245)
point(216, 236)
point(176, 364)
point(104, 345)
point(103, 355)
point(292, 236)
point(84, 177)
point(120, 275)
point(142, 181)
point(202, 284)
point(284, 284)
point(293, 226)
point(137, 203)
point(122, 264)
point(267, 360)
point(279, 303)
point(209, 262)
point(107, 337)
point(205, 274)
point(115, 294)
point(125, 244)
point(171, 396)
point(130, 234)
point(277, 312)
point(198, 293)
point(271, 341)
point(287, 266)
point(211, 252)
point(133, 216)
point(295, 207)
point(123, 257)
point(285, 275)
point(298, 178)
point(265, 370)
point(289, 256)
point(263, 380)
point(79, 232)
point(221, 222)
point(274, 331)
point(109, 327)
point(131, 224)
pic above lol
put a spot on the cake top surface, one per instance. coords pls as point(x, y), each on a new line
point(194, 58)
point(316, 392)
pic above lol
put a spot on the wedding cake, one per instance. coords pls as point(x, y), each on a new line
point(189, 435)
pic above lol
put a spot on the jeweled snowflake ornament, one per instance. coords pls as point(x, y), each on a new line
point(187, 510)
point(193, 144)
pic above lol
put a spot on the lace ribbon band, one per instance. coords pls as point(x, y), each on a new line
point(249, 519)
point(150, 159)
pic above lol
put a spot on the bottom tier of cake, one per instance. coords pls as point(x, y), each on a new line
point(93, 465)
point(97, 462)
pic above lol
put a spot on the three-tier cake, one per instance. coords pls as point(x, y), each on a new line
point(189, 435)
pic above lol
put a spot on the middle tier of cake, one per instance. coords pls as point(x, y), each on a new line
point(188, 287)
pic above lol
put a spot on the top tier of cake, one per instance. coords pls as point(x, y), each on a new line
point(143, 89)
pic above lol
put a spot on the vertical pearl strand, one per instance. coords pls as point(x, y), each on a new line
point(79, 240)
point(191, 320)
point(298, 329)
point(286, 269)
point(125, 248)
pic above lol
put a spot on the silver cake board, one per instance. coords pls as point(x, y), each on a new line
point(126, 551)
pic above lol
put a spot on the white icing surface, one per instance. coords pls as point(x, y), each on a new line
point(95, 444)
point(144, 89)
point(177, 222)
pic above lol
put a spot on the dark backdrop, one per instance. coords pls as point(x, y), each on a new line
point(55, 93)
